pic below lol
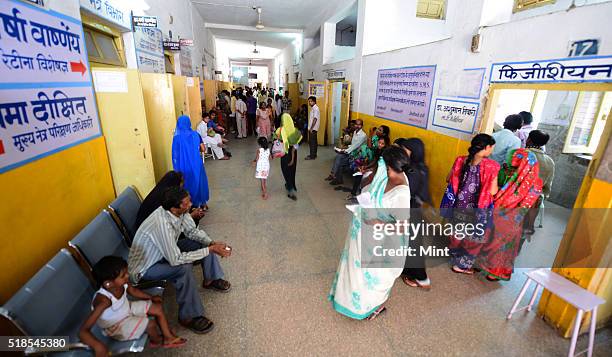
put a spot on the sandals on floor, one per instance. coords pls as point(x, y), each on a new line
point(375, 314)
point(199, 325)
point(415, 283)
point(458, 270)
point(220, 285)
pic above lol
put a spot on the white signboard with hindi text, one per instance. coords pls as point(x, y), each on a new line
point(111, 10)
point(149, 49)
point(455, 115)
point(575, 69)
point(404, 94)
point(47, 102)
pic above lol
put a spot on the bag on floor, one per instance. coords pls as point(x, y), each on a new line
point(278, 149)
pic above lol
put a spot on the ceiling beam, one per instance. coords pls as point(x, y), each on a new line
point(251, 28)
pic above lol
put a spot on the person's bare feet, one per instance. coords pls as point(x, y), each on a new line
point(264, 196)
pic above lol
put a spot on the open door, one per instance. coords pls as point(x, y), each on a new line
point(124, 124)
point(319, 91)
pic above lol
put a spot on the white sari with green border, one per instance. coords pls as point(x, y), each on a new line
point(358, 291)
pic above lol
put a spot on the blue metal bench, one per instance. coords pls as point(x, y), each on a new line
point(102, 237)
point(126, 207)
point(55, 302)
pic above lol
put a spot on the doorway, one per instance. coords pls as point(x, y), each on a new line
point(336, 110)
point(575, 118)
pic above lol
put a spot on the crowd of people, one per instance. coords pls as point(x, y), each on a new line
point(502, 194)
point(500, 184)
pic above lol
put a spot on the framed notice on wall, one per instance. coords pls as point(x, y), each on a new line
point(456, 115)
point(404, 94)
point(47, 102)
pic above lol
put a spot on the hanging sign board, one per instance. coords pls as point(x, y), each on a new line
point(575, 69)
point(110, 10)
point(172, 45)
point(47, 102)
point(455, 115)
point(404, 94)
point(185, 42)
point(149, 49)
point(336, 74)
point(144, 21)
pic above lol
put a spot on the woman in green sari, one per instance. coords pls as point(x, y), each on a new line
point(290, 137)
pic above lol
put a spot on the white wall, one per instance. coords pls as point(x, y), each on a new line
point(392, 24)
point(540, 37)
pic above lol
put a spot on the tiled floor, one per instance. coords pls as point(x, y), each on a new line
point(285, 255)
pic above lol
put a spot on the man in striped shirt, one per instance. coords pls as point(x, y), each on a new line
point(158, 254)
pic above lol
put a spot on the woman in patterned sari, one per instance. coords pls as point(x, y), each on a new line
point(521, 187)
point(361, 285)
point(468, 199)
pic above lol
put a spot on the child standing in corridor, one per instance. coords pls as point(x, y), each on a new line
point(262, 161)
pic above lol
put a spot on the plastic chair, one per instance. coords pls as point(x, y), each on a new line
point(55, 302)
point(126, 207)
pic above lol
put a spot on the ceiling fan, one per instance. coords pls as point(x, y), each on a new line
point(259, 25)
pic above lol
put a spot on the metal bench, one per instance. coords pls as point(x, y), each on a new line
point(101, 237)
point(125, 207)
point(55, 302)
point(578, 297)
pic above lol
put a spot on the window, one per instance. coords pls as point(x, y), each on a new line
point(521, 5)
point(431, 9)
point(588, 122)
point(102, 47)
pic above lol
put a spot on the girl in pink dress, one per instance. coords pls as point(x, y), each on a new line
point(263, 122)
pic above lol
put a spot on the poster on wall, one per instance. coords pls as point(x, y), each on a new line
point(462, 84)
point(47, 102)
point(404, 94)
point(456, 115)
point(575, 69)
point(149, 46)
point(186, 64)
point(316, 89)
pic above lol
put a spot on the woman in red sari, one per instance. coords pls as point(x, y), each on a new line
point(521, 188)
point(468, 199)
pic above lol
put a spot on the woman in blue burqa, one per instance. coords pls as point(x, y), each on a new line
point(186, 159)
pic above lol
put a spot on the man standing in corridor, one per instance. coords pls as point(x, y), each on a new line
point(313, 127)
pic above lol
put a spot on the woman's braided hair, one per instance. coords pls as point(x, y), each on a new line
point(479, 143)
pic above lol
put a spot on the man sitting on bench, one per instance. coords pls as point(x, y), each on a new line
point(157, 254)
point(341, 162)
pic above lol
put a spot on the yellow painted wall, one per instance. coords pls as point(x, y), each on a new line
point(294, 95)
point(179, 88)
point(47, 202)
point(440, 150)
point(194, 102)
point(210, 93)
point(161, 118)
point(124, 125)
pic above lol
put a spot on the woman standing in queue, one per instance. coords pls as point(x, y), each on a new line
point(414, 273)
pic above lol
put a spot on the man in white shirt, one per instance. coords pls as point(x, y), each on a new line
point(506, 139)
point(314, 121)
point(215, 142)
point(523, 132)
point(341, 162)
point(241, 121)
point(157, 254)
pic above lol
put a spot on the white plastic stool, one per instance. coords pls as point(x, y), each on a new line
point(578, 297)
